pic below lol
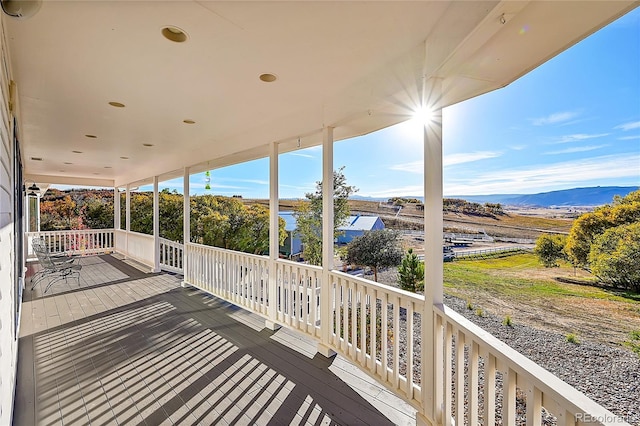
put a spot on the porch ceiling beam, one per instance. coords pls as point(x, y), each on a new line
point(69, 180)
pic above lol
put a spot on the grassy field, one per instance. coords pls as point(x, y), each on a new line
point(520, 287)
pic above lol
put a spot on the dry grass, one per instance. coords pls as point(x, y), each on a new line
point(521, 288)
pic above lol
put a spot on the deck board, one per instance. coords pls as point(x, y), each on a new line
point(125, 346)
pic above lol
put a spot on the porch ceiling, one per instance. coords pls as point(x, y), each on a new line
point(359, 66)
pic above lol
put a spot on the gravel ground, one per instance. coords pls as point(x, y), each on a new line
point(608, 375)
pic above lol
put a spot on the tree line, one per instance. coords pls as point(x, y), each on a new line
point(456, 205)
point(215, 220)
point(605, 242)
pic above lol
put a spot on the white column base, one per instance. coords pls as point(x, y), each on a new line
point(421, 420)
point(273, 326)
point(326, 351)
point(184, 284)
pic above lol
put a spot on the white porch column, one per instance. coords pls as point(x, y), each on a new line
point(432, 371)
point(186, 222)
point(274, 240)
point(127, 212)
point(116, 208)
point(27, 211)
point(327, 240)
point(38, 213)
point(127, 217)
point(156, 226)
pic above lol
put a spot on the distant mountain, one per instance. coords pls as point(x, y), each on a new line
point(593, 196)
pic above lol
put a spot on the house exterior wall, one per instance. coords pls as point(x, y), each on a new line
point(10, 273)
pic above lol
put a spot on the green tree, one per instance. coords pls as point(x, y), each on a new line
point(585, 229)
point(615, 256)
point(141, 215)
point(98, 214)
point(309, 216)
point(411, 273)
point(171, 214)
point(227, 223)
point(549, 249)
point(375, 249)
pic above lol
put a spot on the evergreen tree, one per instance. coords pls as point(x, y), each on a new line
point(411, 273)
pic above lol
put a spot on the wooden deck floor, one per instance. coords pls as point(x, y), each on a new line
point(126, 347)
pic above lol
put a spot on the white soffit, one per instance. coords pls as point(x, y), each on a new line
point(358, 66)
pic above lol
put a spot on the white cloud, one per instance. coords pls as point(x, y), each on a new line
point(213, 185)
point(629, 126)
point(517, 147)
point(576, 149)
point(411, 167)
point(580, 137)
point(448, 160)
point(628, 138)
point(295, 154)
point(409, 190)
point(468, 157)
point(558, 117)
point(227, 179)
point(551, 176)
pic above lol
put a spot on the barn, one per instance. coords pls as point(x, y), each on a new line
point(292, 244)
point(357, 226)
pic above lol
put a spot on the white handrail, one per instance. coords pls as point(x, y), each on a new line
point(459, 337)
point(373, 325)
point(298, 296)
point(171, 255)
point(239, 278)
point(140, 247)
point(377, 327)
point(73, 241)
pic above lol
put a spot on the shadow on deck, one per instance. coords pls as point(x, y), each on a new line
point(130, 347)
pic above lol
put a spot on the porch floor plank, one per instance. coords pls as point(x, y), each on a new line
point(127, 347)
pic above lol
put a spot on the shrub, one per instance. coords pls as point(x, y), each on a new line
point(572, 338)
point(634, 341)
point(507, 321)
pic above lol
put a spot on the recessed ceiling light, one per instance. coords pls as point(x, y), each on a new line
point(116, 104)
point(90, 136)
point(189, 121)
point(147, 144)
point(107, 167)
point(268, 78)
point(125, 158)
point(77, 152)
point(36, 158)
point(66, 162)
point(96, 173)
point(174, 34)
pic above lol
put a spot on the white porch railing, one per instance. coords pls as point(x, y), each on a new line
point(73, 242)
point(171, 255)
point(136, 246)
point(298, 297)
point(239, 278)
point(375, 326)
point(503, 371)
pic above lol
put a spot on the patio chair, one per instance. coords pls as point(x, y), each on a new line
point(56, 268)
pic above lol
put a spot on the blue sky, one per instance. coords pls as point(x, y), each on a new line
point(572, 122)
